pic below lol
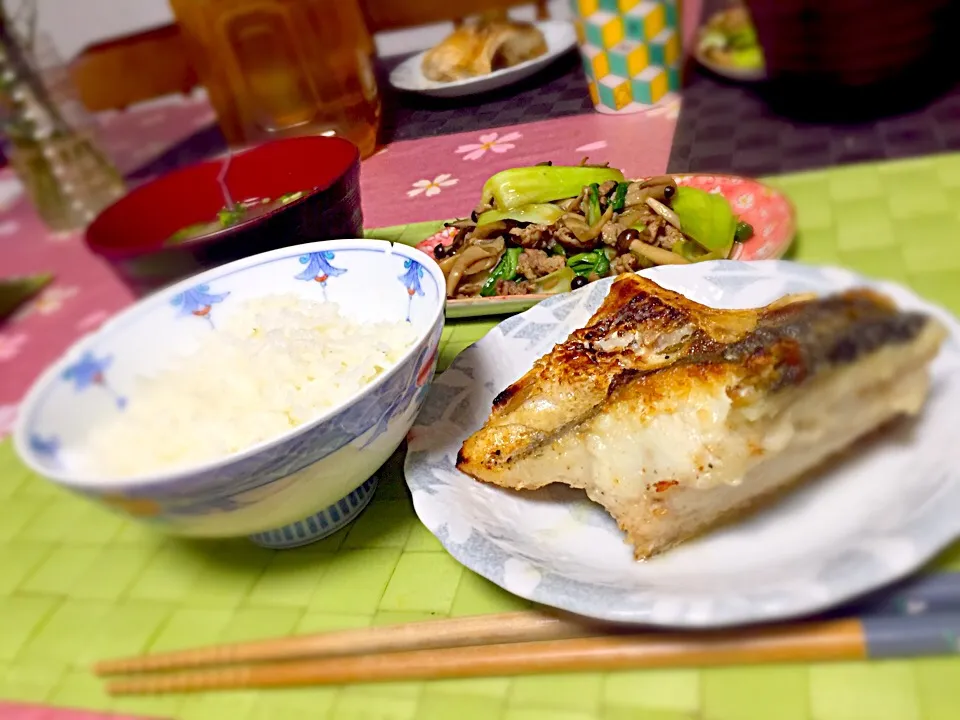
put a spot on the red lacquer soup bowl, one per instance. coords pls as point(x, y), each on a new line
point(318, 179)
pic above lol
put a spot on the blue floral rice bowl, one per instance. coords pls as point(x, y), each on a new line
point(290, 490)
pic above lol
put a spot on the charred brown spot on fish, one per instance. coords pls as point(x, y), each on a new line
point(622, 380)
point(504, 396)
point(638, 310)
point(664, 485)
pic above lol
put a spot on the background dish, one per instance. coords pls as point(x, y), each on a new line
point(292, 489)
point(408, 76)
point(866, 522)
point(740, 74)
point(769, 212)
point(731, 27)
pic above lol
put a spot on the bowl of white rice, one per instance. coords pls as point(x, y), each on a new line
point(256, 399)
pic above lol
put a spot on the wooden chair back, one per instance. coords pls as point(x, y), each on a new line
point(115, 74)
point(394, 14)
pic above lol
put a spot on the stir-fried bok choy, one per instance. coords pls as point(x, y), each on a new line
point(548, 229)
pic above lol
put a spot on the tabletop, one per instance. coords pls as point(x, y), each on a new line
point(77, 584)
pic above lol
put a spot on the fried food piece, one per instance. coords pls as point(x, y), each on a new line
point(481, 47)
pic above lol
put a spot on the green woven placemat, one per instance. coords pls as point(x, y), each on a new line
point(77, 584)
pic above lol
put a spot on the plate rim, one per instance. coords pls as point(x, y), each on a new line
point(433, 87)
point(897, 568)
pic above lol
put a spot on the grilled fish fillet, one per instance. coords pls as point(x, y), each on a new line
point(677, 418)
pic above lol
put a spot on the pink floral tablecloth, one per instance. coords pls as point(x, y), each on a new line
point(426, 179)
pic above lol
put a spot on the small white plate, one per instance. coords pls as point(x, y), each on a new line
point(869, 520)
point(408, 75)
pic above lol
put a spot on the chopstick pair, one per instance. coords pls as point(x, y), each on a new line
point(920, 618)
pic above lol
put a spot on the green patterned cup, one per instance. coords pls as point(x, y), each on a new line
point(631, 50)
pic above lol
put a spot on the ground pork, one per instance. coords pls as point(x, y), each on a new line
point(624, 264)
point(653, 230)
point(669, 237)
point(513, 287)
point(565, 237)
point(611, 231)
point(470, 289)
point(533, 264)
point(532, 236)
point(604, 191)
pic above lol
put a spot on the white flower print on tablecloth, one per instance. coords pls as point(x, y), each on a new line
point(429, 188)
point(62, 236)
point(11, 190)
point(493, 142)
point(8, 416)
point(48, 301)
point(11, 344)
point(93, 320)
point(590, 147)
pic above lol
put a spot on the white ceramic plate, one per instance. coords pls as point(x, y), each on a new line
point(868, 521)
point(560, 37)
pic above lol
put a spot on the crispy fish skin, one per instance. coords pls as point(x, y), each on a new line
point(676, 417)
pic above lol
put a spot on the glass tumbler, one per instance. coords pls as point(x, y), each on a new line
point(276, 68)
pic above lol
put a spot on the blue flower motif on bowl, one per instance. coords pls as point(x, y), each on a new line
point(411, 281)
point(198, 301)
point(90, 371)
point(413, 390)
point(319, 269)
point(45, 446)
point(321, 524)
point(171, 507)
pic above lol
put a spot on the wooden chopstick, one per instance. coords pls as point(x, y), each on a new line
point(819, 641)
point(446, 633)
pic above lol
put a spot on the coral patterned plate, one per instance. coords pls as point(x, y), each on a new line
point(768, 210)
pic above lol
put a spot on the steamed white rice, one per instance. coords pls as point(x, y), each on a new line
point(273, 364)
